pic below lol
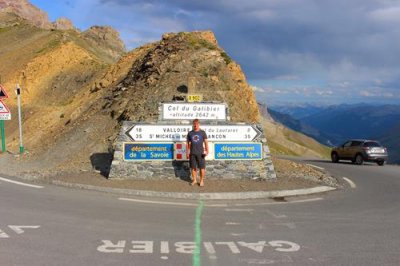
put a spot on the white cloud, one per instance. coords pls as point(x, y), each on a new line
point(390, 14)
point(257, 89)
point(287, 77)
point(377, 93)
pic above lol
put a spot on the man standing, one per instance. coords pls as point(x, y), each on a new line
point(196, 151)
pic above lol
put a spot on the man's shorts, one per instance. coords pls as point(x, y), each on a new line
point(197, 161)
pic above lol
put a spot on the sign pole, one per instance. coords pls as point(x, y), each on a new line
point(21, 146)
point(3, 137)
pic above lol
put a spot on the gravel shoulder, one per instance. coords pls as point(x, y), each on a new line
point(290, 175)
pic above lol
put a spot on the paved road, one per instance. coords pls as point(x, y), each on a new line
point(59, 226)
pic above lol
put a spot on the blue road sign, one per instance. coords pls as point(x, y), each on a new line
point(148, 151)
point(238, 151)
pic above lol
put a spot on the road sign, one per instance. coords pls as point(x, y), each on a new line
point(5, 113)
point(148, 151)
point(180, 151)
point(190, 111)
point(3, 93)
point(215, 133)
point(238, 151)
point(195, 98)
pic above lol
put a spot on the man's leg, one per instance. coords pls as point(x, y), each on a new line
point(202, 166)
point(194, 176)
point(193, 163)
point(202, 174)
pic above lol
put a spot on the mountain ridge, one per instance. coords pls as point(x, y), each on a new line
point(335, 124)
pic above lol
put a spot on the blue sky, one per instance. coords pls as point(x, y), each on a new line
point(292, 51)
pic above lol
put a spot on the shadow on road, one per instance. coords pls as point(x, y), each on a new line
point(102, 162)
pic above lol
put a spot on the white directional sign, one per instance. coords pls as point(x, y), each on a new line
point(215, 133)
point(5, 113)
point(190, 111)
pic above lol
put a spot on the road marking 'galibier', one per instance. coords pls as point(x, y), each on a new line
point(19, 183)
point(351, 183)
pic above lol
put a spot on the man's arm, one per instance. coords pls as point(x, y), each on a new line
point(206, 146)
point(188, 144)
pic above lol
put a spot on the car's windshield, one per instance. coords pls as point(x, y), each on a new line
point(372, 144)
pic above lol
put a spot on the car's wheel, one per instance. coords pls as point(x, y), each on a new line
point(380, 163)
point(334, 157)
point(359, 159)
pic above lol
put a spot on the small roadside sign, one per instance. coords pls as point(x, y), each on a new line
point(5, 113)
point(3, 93)
point(195, 98)
point(190, 111)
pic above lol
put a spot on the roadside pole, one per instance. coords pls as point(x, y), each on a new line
point(3, 137)
point(18, 92)
point(5, 114)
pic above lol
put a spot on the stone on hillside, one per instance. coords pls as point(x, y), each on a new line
point(63, 24)
point(108, 38)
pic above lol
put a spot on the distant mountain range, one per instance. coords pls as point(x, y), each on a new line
point(332, 125)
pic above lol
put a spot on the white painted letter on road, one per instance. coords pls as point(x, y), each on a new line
point(147, 247)
point(185, 247)
point(109, 247)
point(3, 235)
point(258, 247)
point(142, 247)
point(19, 228)
point(284, 246)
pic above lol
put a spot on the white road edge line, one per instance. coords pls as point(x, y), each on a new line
point(351, 183)
point(221, 205)
point(170, 203)
point(158, 202)
point(19, 183)
point(320, 168)
point(278, 203)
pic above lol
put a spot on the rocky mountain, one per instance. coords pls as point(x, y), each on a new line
point(26, 10)
point(178, 65)
point(300, 126)
point(63, 24)
point(100, 39)
point(106, 39)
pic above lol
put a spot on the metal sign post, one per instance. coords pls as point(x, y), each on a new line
point(4, 115)
point(18, 92)
point(3, 137)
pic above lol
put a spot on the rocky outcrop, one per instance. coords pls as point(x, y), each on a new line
point(63, 24)
point(106, 37)
point(27, 11)
point(181, 64)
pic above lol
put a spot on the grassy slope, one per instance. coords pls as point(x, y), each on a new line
point(284, 141)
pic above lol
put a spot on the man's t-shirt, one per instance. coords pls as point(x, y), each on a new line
point(196, 138)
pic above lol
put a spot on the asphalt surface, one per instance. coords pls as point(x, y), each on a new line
point(356, 225)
